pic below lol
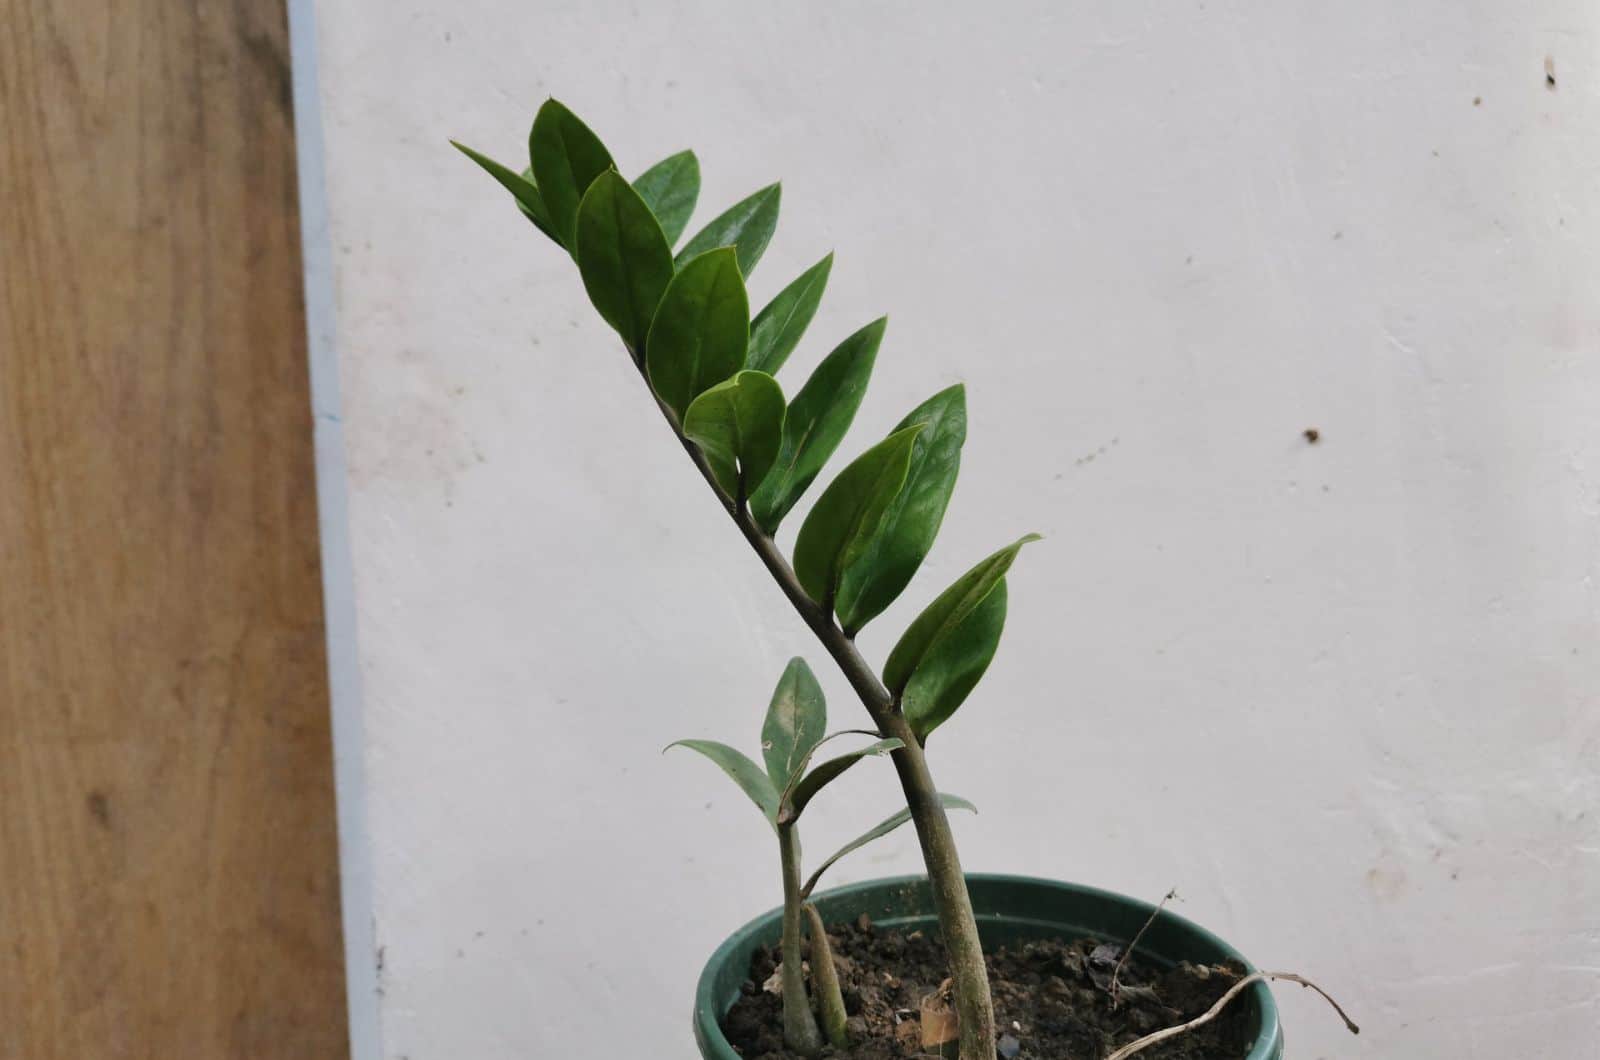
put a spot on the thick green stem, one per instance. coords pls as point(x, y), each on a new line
point(825, 980)
point(974, 1008)
point(800, 1031)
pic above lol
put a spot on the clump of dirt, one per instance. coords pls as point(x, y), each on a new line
point(1052, 1000)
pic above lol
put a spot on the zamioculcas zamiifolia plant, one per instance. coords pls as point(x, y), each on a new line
point(684, 318)
point(795, 726)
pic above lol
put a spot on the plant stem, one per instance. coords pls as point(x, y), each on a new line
point(974, 1007)
point(800, 1031)
point(825, 980)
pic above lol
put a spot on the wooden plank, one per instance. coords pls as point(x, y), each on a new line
point(168, 857)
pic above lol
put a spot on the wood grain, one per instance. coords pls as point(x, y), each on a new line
point(168, 858)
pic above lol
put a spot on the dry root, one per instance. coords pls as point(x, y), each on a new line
point(1222, 1002)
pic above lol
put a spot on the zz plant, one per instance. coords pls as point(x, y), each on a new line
point(684, 319)
point(795, 727)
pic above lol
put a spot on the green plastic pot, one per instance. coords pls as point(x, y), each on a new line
point(1009, 909)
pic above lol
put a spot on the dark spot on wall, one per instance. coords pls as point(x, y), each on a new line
point(1477, 101)
point(100, 808)
point(1550, 73)
point(1311, 435)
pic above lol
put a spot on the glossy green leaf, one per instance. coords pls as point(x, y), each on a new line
point(777, 328)
point(845, 517)
point(825, 773)
point(738, 424)
point(701, 329)
point(891, 559)
point(947, 611)
point(625, 260)
point(566, 157)
point(746, 226)
point(745, 773)
point(670, 188)
point(797, 718)
point(950, 802)
point(949, 672)
point(521, 187)
point(819, 416)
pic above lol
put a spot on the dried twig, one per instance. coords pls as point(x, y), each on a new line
point(1222, 1002)
point(1128, 950)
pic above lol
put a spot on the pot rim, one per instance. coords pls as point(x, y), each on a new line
point(708, 1017)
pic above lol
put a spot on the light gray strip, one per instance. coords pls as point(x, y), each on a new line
point(338, 576)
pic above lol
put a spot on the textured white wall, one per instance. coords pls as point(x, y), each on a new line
point(1342, 695)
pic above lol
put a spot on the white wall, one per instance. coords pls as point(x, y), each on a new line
point(1341, 695)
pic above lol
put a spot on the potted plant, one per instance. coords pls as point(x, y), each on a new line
point(684, 320)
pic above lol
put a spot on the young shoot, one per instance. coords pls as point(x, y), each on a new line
point(797, 718)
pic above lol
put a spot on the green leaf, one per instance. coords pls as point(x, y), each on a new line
point(912, 522)
point(949, 672)
point(522, 188)
point(825, 773)
point(947, 611)
point(744, 772)
point(625, 260)
point(670, 188)
point(701, 329)
point(777, 328)
point(950, 802)
point(566, 159)
point(797, 718)
point(746, 225)
point(847, 514)
point(818, 418)
point(738, 424)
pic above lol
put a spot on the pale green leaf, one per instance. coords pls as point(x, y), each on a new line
point(745, 773)
point(883, 828)
point(826, 772)
point(797, 718)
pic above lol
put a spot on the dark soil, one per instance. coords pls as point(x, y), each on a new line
point(1051, 1000)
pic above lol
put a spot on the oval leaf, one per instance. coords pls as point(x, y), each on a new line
point(521, 187)
point(746, 226)
point(825, 773)
point(949, 802)
point(797, 718)
point(777, 328)
point(947, 611)
point(844, 518)
point(700, 331)
point(624, 259)
point(744, 772)
point(739, 426)
point(912, 522)
point(948, 673)
point(818, 418)
point(670, 188)
point(566, 157)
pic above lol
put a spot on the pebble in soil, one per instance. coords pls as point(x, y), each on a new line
point(1050, 997)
